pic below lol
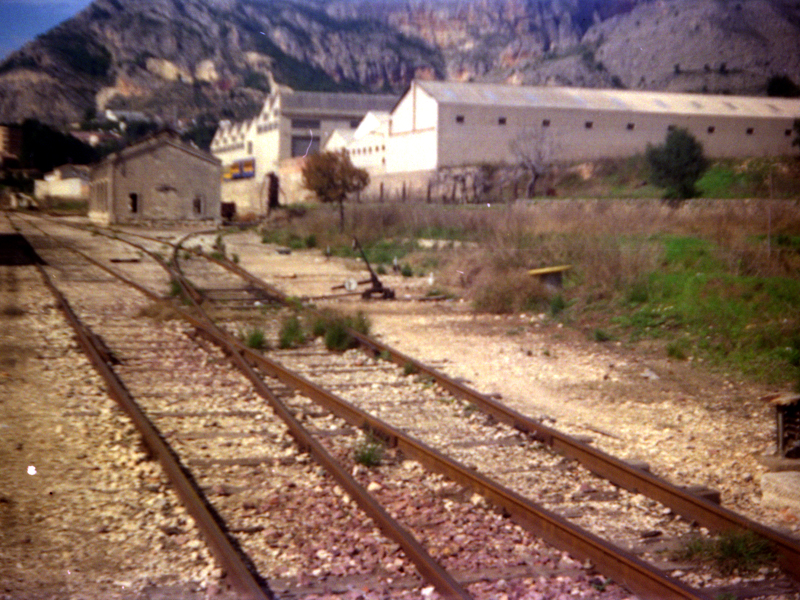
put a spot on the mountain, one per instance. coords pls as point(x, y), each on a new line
point(183, 58)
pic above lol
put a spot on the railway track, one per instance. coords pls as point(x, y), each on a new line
point(405, 398)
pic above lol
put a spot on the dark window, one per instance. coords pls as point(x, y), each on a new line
point(750, 131)
point(249, 147)
point(501, 121)
point(305, 123)
point(459, 118)
point(672, 127)
point(354, 124)
point(588, 124)
point(787, 132)
point(631, 126)
point(711, 129)
point(197, 205)
point(546, 123)
point(134, 198)
point(303, 145)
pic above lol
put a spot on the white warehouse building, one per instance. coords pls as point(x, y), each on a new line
point(256, 154)
point(439, 125)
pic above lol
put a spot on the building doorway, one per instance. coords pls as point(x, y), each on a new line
point(273, 187)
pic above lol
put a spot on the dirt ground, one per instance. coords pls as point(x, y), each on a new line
point(692, 425)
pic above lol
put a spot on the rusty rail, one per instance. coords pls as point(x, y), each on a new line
point(236, 566)
point(681, 501)
point(615, 562)
point(639, 576)
point(428, 567)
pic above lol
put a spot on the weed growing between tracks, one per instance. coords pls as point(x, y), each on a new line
point(291, 333)
point(254, 338)
point(369, 451)
point(732, 551)
point(333, 328)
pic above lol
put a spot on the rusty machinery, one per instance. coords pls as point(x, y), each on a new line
point(376, 289)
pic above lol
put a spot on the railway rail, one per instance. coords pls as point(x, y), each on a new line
point(621, 565)
point(683, 501)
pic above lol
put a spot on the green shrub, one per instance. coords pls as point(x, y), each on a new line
point(409, 369)
point(677, 164)
point(174, 288)
point(557, 305)
point(291, 333)
point(678, 349)
point(295, 242)
point(255, 338)
point(369, 451)
point(335, 330)
point(337, 337)
point(602, 336)
point(319, 326)
point(407, 271)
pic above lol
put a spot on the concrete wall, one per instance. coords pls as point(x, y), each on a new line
point(481, 134)
point(291, 181)
point(399, 187)
point(66, 189)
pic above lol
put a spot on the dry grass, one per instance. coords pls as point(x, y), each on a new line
point(158, 312)
point(608, 242)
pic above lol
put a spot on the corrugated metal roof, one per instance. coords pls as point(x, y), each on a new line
point(606, 99)
point(337, 102)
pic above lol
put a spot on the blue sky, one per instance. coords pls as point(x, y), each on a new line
point(23, 20)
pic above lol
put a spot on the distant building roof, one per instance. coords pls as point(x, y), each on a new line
point(68, 172)
point(336, 101)
point(609, 100)
point(156, 140)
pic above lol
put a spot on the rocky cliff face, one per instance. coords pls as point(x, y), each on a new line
point(179, 58)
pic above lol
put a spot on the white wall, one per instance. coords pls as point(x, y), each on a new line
point(68, 189)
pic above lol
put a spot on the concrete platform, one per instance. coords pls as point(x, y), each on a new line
point(781, 490)
point(773, 462)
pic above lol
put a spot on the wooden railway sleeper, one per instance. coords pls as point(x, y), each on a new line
point(237, 567)
point(428, 567)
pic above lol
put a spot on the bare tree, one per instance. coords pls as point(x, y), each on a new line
point(535, 151)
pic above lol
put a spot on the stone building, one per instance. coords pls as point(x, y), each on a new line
point(448, 125)
point(158, 178)
point(10, 143)
point(290, 125)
